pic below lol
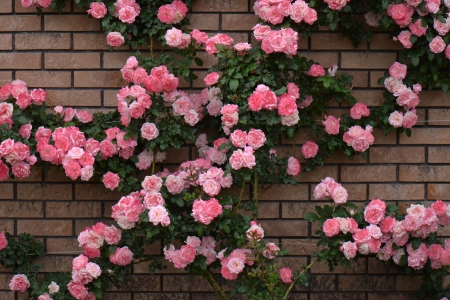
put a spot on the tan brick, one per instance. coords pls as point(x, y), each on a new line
point(273, 228)
point(44, 41)
point(98, 79)
point(220, 6)
point(299, 246)
point(20, 23)
point(318, 174)
point(21, 209)
point(360, 78)
point(185, 283)
point(374, 76)
point(381, 41)
point(339, 157)
point(284, 192)
point(382, 139)
point(433, 98)
point(73, 98)
point(167, 296)
point(326, 59)
point(140, 283)
point(296, 210)
point(377, 266)
point(438, 117)
point(393, 296)
point(95, 192)
point(268, 210)
point(365, 283)
point(424, 173)
point(115, 60)
point(110, 98)
point(44, 192)
point(333, 41)
point(117, 296)
point(92, 41)
point(388, 155)
point(63, 246)
point(427, 136)
point(397, 191)
point(358, 267)
point(20, 60)
point(72, 60)
point(55, 263)
point(46, 79)
point(205, 21)
point(72, 209)
point(437, 191)
point(208, 60)
point(408, 283)
point(7, 295)
point(6, 191)
point(368, 173)
point(337, 296)
point(177, 156)
point(439, 155)
point(5, 7)
point(239, 21)
point(70, 23)
point(45, 227)
point(368, 97)
point(5, 41)
point(358, 192)
point(5, 77)
point(356, 60)
point(320, 283)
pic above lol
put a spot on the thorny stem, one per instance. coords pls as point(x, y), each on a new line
point(295, 279)
point(216, 287)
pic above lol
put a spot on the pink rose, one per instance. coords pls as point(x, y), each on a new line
point(238, 138)
point(3, 241)
point(310, 149)
point(128, 14)
point(396, 119)
point(336, 4)
point(362, 236)
point(359, 110)
point(174, 184)
point(286, 105)
point(173, 37)
point(286, 275)
point(398, 71)
point(111, 180)
point(93, 269)
point(349, 250)
point(157, 215)
point(115, 39)
point(339, 195)
point(149, 131)
point(122, 256)
point(45, 297)
point(97, 10)
point(293, 166)
point(166, 14)
point(316, 70)
point(211, 78)
point(437, 45)
point(439, 207)
point(331, 227)
point(77, 290)
point(447, 52)
point(410, 119)
point(417, 28)
point(23, 100)
point(25, 131)
point(405, 39)
point(199, 36)
point(331, 125)
point(38, 96)
point(19, 282)
point(374, 212)
point(256, 138)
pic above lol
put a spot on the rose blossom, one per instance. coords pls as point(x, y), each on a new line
point(149, 131)
point(316, 70)
point(405, 39)
point(111, 180)
point(310, 149)
point(115, 39)
point(331, 227)
point(359, 110)
point(398, 71)
point(19, 282)
point(331, 125)
point(339, 195)
point(211, 78)
point(437, 45)
point(293, 166)
point(286, 275)
point(396, 119)
point(122, 257)
point(97, 10)
point(409, 119)
point(349, 250)
point(53, 288)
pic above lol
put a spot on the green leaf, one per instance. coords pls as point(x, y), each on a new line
point(234, 84)
point(416, 244)
point(311, 217)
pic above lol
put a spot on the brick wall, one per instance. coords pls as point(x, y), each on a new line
point(68, 57)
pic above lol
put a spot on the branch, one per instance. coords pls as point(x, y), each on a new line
point(295, 279)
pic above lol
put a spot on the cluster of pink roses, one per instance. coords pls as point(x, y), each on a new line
point(126, 10)
point(15, 154)
point(194, 246)
point(284, 40)
point(38, 3)
point(83, 272)
point(213, 180)
point(406, 97)
point(360, 139)
point(358, 111)
point(274, 11)
point(330, 188)
point(153, 200)
point(177, 39)
point(126, 212)
point(206, 211)
point(172, 13)
point(92, 238)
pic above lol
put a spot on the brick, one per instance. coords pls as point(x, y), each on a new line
point(98, 79)
point(35, 175)
point(166, 296)
point(392, 296)
point(55, 263)
point(358, 191)
point(390, 155)
point(376, 266)
point(5, 7)
point(44, 192)
point(337, 296)
point(296, 210)
point(360, 78)
point(20, 23)
point(208, 60)
point(7, 225)
point(286, 228)
point(177, 156)
point(32, 10)
point(368, 173)
point(382, 41)
point(365, 283)
point(369, 98)
point(70, 23)
point(7, 295)
point(326, 59)
point(45, 227)
point(319, 283)
point(95, 41)
point(438, 154)
point(115, 60)
point(183, 283)
point(220, 6)
point(46, 79)
point(6, 191)
point(382, 139)
point(21, 209)
point(205, 21)
point(339, 158)
point(437, 191)
point(374, 76)
point(358, 267)
point(71, 209)
point(16, 61)
point(433, 98)
point(317, 175)
point(268, 210)
point(397, 191)
point(5, 41)
point(140, 283)
point(72, 60)
point(95, 192)
point(424, 173)
point(110, 98)
point(356, 60)
point(44, 41)
point(117, 296)
point(73, 98)
point(427, 136)
point(284, 192)
point(239, 21)
point(438, 117)
point(63, 246)
point(333, 41)
point(408, 283)
point(5, 77)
